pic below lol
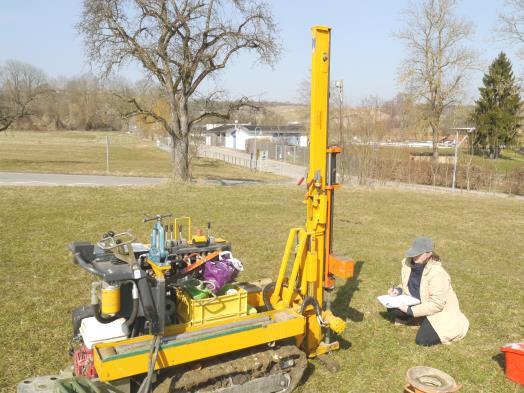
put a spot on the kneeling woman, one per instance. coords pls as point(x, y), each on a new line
point(424, 278)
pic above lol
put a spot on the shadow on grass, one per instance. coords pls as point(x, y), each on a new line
point(308, 372)
point(500, 359)
point(387, 316)
point(344, 295)
point(344, 344)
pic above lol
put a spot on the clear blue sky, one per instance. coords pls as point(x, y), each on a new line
point(364, 52)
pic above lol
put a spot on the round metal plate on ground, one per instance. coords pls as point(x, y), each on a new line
point(431, 380)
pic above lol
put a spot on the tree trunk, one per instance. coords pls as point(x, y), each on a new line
point(434, 129)
point(180, 136)
point(181, 170)
point(492, 155)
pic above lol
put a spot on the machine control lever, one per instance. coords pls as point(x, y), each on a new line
point(157, 217)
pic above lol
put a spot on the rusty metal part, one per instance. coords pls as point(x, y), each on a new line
point(260, 369)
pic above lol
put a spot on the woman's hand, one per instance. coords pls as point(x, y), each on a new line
point(393, 292)
point(403, 307)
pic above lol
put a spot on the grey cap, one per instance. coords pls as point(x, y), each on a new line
point(419, 246)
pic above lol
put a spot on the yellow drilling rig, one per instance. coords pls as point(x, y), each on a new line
point(154, 323)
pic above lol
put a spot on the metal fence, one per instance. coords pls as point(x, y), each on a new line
point(279, 152)
point(251, 163)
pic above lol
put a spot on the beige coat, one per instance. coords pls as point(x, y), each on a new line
point(438, 301)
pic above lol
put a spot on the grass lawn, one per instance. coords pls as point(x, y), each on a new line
point(508, 161)
point(84, 152)
point(479, 238)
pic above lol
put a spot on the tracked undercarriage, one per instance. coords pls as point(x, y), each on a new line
point(261, 369)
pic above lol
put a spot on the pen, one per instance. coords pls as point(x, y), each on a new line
point(391, 288)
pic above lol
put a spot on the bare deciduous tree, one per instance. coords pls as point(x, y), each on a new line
point(179, 44)
point(437, 60)
point(20, 86)
point(511, 23)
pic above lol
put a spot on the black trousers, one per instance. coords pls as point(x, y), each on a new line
point(426, 335)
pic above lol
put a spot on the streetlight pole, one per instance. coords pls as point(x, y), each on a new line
point(257, 129)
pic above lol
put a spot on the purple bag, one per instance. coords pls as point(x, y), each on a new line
point(219, 273)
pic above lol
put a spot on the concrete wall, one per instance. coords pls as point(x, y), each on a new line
point(236, 139)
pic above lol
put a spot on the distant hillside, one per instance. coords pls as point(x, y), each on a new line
point(291, 112)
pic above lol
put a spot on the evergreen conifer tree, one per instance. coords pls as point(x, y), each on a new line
point(497, 112)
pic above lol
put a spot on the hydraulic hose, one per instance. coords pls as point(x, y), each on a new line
point(265, 295)
point(100, 318)
point(134, 311)
point(309, 300)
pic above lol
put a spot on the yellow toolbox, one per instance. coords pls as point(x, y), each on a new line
point(195, 312)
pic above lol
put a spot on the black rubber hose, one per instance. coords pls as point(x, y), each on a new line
point(129, 321)
point(309, 300)
point(134, 312)
point(265, 295)
point(138, 327)
point(100, 318)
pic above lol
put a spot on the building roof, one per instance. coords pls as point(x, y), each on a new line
point(261, 130)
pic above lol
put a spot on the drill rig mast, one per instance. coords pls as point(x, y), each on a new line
point(314, 266)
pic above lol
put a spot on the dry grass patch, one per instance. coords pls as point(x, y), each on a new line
point(84, 152)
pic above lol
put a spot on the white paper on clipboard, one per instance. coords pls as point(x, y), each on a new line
point(396, 301)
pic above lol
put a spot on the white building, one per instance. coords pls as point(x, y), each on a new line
point(235, 136)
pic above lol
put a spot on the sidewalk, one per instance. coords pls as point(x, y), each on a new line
point(56, 179)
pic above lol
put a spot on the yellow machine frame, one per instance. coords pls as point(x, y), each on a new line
point(312, 271)
point(177, 352)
